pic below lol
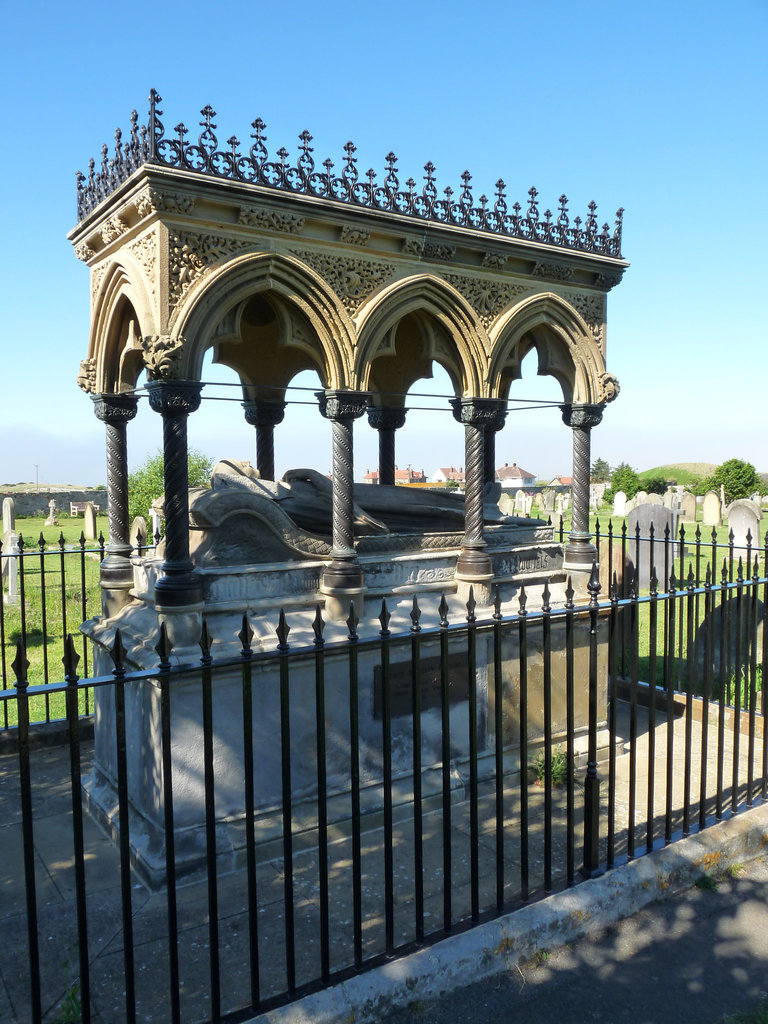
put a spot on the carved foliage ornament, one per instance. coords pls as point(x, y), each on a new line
point(113, 228)
point(478, 412)
point(86, 378)
point(144, 251)
point(608, 388)
point(592, 309)
point(354, 236)
point(162, 356)
point(353, 280)
point(488, 298)
point(153, 200)
point(342, 405)
point(83, 252)
point(553, 271)
point(270, 220)
point(191, 255)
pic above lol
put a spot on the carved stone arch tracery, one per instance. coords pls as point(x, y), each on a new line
point(308, 318)
point(565, 345)
point(447, 327)
point(123, 314)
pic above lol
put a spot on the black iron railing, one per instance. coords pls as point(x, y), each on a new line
point(149, 144)
point(436, 821)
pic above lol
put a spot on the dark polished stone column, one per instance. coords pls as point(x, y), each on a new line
point(264, 416)
point(115, 411)
point(489, 444)
point(474, 564)
point(175, 400)
point(344, 575)
point(386, 420)
point(579, 552)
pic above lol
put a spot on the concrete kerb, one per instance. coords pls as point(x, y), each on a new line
point(500, 945)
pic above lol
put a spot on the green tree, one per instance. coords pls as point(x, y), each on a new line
point(623, 478)
point(146, 483)
point(601, 472)
point(654, 485)
point(739, 479)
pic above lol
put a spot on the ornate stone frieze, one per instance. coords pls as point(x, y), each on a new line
point(494, 260)
point(86, 378)
point(84, 252)
point(353, 280)
point(162, 356)
point(113, 228)
point(191, 255)
point(270, 220)
point(170, 397)
point(144, 251)
point(115, 408)
point(581, 417)
point(354, 236)
point(97, 276)
point(153, 200)
point(432, 251)
point(342, 405)
point(608, 388)
point(553, 271)
point(487, 297)
point(386, 417)
point(608, 279)
point(478, 412)
point(412, 247)
point(592, 309)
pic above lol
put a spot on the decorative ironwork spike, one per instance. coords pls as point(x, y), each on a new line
point(756, 570)
point(163, 647)
point(283, 629)
point(749, 537)
point(697, 535)
point(672, 581)
point(724, 571)
point(70, 659)
point(731, 537)
point(245, 636)
point(442, 611)
point(594, 581)
point(708, 578)
point(615, 588)
point(384, 618)
point(471, 605)
point(352, 621)
point(497, 603)
point(691, 579)
point(117, 653)
point(667, 532)
point(41, 541)
point(317, 623)
point(205, 641)
point(740, 571)
point(633, 586)
point(20, 665)
point(651, 531)
point(62, 542)
point(569, 593)
point(545, 598)
point(714, 535)
point(654, 581)
point(415, 616)
point(82, 539)
point(522, 601)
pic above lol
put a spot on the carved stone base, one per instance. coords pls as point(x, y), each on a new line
point(579, 553)
point(178, 591)
point(482, 590)
point(474, 563)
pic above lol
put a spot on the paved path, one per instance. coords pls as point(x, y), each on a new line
point(687, 960)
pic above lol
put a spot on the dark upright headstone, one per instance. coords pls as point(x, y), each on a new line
point(661, 518)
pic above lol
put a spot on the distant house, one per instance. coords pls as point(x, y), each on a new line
point(561, 481)
point(442, 476)
point(515, 477)
point(402, 476)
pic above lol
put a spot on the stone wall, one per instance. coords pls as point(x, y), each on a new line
point(32, 503)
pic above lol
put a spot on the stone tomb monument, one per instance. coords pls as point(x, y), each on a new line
point(744, 517)
point(619, 504)
point(651, 554)
point(688, 507)
point(711, 509)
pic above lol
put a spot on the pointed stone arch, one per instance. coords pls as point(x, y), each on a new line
point(564, 343)
point(449, 329)
point(212, 315)
point(123, 314)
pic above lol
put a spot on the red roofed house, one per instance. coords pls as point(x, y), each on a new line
point(442, 476)
point(402, 476)
point(514, 476)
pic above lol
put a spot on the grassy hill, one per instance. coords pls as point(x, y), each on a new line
point(682, 472)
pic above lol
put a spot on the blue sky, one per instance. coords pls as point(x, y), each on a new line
point(657, 107)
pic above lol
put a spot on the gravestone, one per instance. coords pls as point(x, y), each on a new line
point(520, 501)
point(139, 528)
point(620, 504)
point(51, 520)
point(90, 528)
point(654, 499)
point(10, 569)
point(548, 501)
point(670, 498)
point(155, 517)
point(661, 518)
point(629, 506)
point(556, 518)
point(711, 509)
point(744, 516)
point(9, 515)
point(506, 504)
point(641, 497)
point(688, 507)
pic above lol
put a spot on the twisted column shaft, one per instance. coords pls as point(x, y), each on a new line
point(342, 408)
point(115, 412)
point(175, 400)
point(489, 457)
point(386, 421)
point(580, 552)
point(265, 416)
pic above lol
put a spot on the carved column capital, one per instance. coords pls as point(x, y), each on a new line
point(342, 405)
point(382, 417)
point(115, 409)
point(577, 415)
point(480, 412)
point(173, 397)
point(260, 413)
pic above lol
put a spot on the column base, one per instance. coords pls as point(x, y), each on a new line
point(183, 626)
point(482, 589)
point(579, 553)
point(116, 582)
point(338, 602)
point(343, 585)
point(178, 591)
